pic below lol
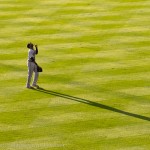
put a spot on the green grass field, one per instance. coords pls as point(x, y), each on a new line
point(96, 81)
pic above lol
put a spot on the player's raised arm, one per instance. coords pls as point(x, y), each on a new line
point(36, 49)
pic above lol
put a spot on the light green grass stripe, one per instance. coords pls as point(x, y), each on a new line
point(37, 143)
point(138, 91)
point(118, 132)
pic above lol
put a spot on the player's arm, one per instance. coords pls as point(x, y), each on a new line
point(36, 49)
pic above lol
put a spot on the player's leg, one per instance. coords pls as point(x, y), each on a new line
point(36, 75)
point(30, 72)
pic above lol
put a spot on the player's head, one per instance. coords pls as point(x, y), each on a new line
point(30, 45)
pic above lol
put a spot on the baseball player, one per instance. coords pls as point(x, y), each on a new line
point(32, 66)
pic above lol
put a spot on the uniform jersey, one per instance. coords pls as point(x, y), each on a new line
point(31, 54)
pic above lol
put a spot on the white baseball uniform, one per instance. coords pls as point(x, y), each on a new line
point(32, 67)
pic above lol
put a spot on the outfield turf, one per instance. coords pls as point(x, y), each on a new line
point(96, 81)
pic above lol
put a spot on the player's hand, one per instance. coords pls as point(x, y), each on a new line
point(36, 46)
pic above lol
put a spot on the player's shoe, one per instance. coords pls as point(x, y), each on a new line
point(29, 87)
point(35, 85)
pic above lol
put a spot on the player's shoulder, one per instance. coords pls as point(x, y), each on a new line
point(31, 50)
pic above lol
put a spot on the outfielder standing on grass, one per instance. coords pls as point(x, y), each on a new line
point(32, 66)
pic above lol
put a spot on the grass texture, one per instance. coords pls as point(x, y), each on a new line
point(96, 81)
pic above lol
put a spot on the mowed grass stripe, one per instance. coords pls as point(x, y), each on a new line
point(91, 53)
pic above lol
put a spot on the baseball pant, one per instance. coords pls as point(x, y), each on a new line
point(32, 67)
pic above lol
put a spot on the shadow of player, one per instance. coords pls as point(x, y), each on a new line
point(88, 102)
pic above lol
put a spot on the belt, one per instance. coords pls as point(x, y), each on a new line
point(31, 59)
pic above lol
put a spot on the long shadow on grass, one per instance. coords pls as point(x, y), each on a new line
point(88, 102)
